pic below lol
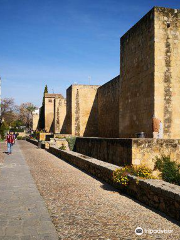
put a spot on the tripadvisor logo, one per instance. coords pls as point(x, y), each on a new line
point(139, 231)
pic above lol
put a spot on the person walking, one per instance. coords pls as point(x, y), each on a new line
point(10, 141)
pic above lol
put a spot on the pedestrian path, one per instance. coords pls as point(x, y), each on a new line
point(85, 208)
point(23, 215)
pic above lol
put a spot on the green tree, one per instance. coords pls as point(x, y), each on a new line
point(41, 124)
point(46, 89)
point(3, 129)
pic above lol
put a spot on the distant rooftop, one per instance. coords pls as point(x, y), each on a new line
point(53, 95)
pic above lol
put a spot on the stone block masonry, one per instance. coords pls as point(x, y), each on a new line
point(150, 74)
point(59, 115)
point(49, 111)
point(136, 99)
point(82, 110)
point(148, 85)
point(167, 69)
point(128, 151)
point(155, 193)
point(108, 108)
point(35, 142)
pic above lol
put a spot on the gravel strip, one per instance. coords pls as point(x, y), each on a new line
point(81, 207)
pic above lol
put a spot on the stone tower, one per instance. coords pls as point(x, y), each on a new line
point(150, 74)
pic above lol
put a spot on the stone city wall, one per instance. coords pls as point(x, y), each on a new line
point(59, 115)
point(136, 100)
point(50, 105)
point(167, 70)
point(82, 110)
point(108, 109)
point(150, 74)
point(116, 151)
point(128, 151)
point(35, 120)
point(148, 84)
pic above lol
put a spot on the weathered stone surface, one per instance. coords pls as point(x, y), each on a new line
point(150, 75)
point(159, 194)
point(128, 151)
point(82, 110)
point(108, 108)
point(51, 106)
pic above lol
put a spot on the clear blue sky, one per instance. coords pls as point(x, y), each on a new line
point(60, 42)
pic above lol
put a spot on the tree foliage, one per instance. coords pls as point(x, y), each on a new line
point(46, 89)
point(9, 111)
point(25, 113)
point(16, 116)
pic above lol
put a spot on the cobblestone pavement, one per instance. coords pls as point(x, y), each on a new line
point(83, 207)
point(23, 214)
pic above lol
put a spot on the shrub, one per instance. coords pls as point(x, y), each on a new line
point(63, 147)
point(120, 176)
point(21, 138)
point(143, 172)
point(169, 170)
point(71, 142)
point(60, 137)
point(16, 130)
point(3, 130)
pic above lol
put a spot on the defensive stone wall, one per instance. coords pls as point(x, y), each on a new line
point(136, 100)
point(167, 69)
point(148, 85)
point(35, 116)
point(59, 115)
point(150, 75)
point(53, 108)
point(35, 142)
point(128, 151)
point(108, 108)
point(82, 110)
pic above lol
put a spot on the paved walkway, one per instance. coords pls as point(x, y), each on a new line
point(82, 207)
point(23, 215)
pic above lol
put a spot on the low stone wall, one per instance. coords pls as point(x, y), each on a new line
point(35, 142)
point(134, 151)
point(145, 151)
point(22, 134)
point(112, 150)
point(45, 136)
point(154, 193)
point(59, 143)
